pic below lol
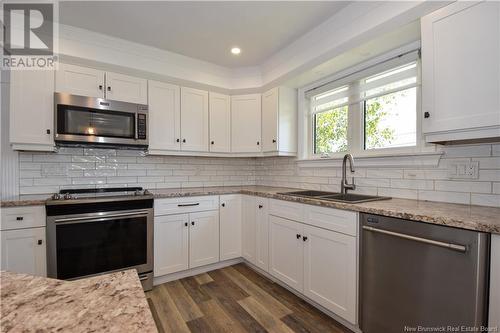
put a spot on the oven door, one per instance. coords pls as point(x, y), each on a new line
point(91, 120)
point(90, 244)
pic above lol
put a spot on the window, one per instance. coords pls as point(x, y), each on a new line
point(368, 111)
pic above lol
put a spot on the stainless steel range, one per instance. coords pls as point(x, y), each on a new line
point(96, 231)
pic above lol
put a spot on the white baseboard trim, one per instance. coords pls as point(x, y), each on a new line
point(329, 313)
point(195, 271)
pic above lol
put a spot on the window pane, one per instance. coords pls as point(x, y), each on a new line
point(390, 120)
point(330, 131)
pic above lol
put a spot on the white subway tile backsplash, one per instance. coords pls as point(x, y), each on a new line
point(454, 197)
point(398, 193)
point(463, 186)
point(412, 184)
point(488, 162)
point(496, 188)
point(384, 173)
point(489, 175)
point(485, 199)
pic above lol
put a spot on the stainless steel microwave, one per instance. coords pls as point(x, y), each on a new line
point(98, 121)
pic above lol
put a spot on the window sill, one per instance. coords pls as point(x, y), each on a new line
point(411, 159)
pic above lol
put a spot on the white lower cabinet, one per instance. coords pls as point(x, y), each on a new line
point(286, 251)
point(262, 234)
point(171, 244)
point(249, 230)
point(318, 262)
point(330, 270)
point(494, 317)
point(203, 238)
point(24, 251)
point(230, 226)
point(183, 241)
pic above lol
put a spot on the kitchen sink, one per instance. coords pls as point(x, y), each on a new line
point(353, 198)
point(332, 196)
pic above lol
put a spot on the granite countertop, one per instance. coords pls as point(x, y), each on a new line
point(107, 303)
point(470, 217)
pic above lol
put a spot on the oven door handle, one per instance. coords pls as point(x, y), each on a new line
point(102, 217)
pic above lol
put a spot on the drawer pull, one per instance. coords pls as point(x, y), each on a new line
point(298, 236)
point(40, 242)
point(188, 205)
point(260, 206)
point(19, 218)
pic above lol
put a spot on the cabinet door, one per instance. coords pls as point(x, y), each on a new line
point(262, 234)
point(32, 118)
point(230, 226)
point(461, 72)
point(81, 81)
point(270, 107)
point(194, 119)
point(246, 123)
point(171, 237)
point(164, 116)
point(286, 251)
point(126, 88)
point(249, 229)
point(24, 251)
point(330, 270)
point(203, 238)
point(220, 122)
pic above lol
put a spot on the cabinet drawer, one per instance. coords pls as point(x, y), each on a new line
point(289, 210)
point(185, 205)
point(333, 219)
point(22, 217)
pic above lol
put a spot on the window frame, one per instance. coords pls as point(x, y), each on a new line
point(356, 126)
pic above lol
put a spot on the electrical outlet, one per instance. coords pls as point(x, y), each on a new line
point(463, 169)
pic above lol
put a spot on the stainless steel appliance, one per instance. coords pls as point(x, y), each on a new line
point(421, 275)
point(96, 231)
point(97, 121)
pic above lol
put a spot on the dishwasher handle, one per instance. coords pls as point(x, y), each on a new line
point(451, 246)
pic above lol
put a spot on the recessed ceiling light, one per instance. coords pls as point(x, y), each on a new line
point(235, 50)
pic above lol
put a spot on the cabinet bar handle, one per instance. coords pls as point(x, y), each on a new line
point(188, 205)
point(19, 218)
point(298, 236)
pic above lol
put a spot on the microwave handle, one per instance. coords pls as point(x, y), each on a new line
point(136, 135)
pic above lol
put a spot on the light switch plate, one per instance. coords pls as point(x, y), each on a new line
point(463, 169)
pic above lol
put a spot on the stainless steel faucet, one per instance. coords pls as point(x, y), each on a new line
point(345, 185)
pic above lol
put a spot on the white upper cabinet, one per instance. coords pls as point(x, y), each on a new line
point(279, 120)
point(126, 88)
point(84, 81)
point(77, 80)
point(461, 72)
point(32, 110)
point(164, 117)
point(194, 119)
point(230, 226)
point(246, 123)
point(220, 122)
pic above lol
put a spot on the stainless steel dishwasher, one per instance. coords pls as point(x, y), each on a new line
point(416, 274)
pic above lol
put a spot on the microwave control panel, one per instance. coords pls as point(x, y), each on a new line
point(141, 126)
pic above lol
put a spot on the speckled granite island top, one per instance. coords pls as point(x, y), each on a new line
point(470, 217)
point(107, 303)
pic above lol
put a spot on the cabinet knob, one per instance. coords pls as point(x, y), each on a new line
point(100, 87)
point(186, 224)
point(258, 143)
point(274, 140)
point(183, 140)
point(260, 206)
point(48, 131)
point(223, 205)
point(304, 238)
point(19, 218)
point(192, 223)
point(178, 140)
point(40, 242)
point(109, 88)
point(298, 236)
point(427, 114)
point(212, 142)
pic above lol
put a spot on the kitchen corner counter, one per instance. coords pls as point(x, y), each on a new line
point(107, 303)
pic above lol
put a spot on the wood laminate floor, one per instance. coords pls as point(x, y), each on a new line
point(234, 299)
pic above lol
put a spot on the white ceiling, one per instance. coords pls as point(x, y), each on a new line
point(203, 30)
